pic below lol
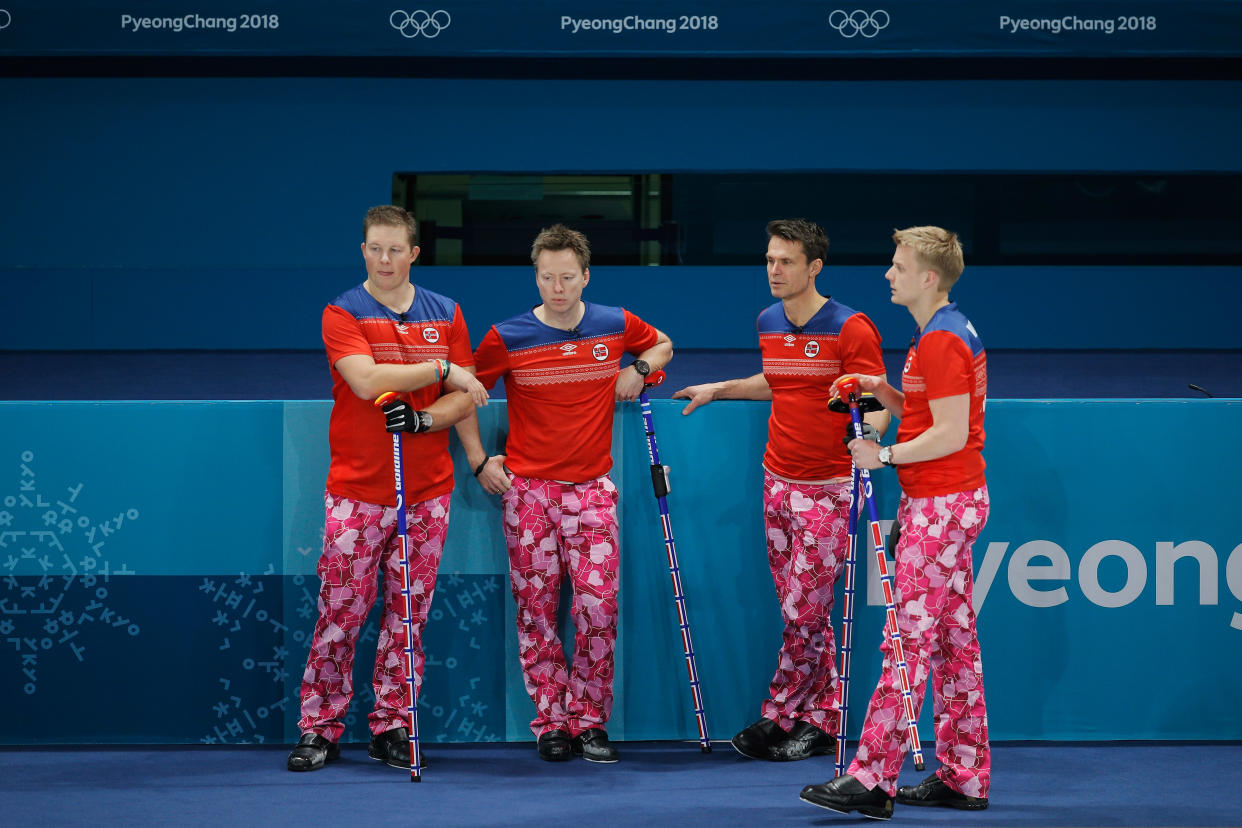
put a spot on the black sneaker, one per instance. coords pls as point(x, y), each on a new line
point(392, 747)
point(593, 746)
point(804, 741)
point(933, 791)
point(755, 741)
point(312, 753)
point(554, 746)
point(845, 794)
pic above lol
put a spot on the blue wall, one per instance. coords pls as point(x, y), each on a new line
point(224, 212)
point(699, 307)
point(157, 575)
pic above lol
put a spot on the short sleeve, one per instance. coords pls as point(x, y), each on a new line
point(639, 336)
point(491, 359)
point(860, 347)
point(459, 340)
point(946, 364)
point(342, 335)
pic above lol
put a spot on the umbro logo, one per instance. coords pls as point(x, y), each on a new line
point(568, 348)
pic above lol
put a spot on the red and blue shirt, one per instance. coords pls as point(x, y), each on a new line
point(560, 388)
point(361, 466)
point(945, 359)
point(800, 365)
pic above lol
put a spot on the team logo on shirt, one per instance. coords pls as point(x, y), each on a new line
point(568, 348)
point(811, 349)
point(600, 352)
point(431, 334)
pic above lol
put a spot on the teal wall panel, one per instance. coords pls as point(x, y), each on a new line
point(141, 537)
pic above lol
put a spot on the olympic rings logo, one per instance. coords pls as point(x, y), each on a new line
point(859, 22)
point(5, 18)
point(415, 23)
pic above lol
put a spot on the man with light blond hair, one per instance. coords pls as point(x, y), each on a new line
point(943, 507)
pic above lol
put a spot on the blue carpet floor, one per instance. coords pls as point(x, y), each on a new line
point(303, 375)
point(655, 784)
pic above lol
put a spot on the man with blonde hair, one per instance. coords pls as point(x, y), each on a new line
point(943, 507)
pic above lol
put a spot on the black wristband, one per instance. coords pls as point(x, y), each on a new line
point(479, 470)
point(448, 366)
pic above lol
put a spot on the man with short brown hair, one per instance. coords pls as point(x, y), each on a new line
point(561, 363)
point(807, 340)
point(382, 335)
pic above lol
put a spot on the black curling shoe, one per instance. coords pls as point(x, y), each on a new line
point(756, 740)
point(804, 741)
point(554, 746)
point(845, 794)
point(934, 792)
point(392, 747)
point(312, 753)
point(593, 746)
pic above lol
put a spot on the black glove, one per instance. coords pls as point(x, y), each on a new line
point(869, 433)
point(398, 416)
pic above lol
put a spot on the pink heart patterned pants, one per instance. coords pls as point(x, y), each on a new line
point(555, 530)
point(360, 542)
point(935, 612)
point(807, 528)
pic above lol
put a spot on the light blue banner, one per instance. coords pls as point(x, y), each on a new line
point(135, 535)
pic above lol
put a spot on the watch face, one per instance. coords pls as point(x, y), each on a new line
point(642, 367)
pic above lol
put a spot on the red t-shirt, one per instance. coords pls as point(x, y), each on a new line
point(800, 365)
point(560, 387)
point(946, 359)
point(361, 467)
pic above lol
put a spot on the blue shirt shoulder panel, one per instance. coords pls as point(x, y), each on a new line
point(358, 303)
point(526, 331)
point(428, 306)
point(951, 319)
point(827, 321)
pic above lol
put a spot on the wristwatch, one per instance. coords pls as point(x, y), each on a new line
point(425, 420)
point(886, 456)
point(641, 366)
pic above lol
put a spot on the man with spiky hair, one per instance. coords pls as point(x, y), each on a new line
point(561, 363)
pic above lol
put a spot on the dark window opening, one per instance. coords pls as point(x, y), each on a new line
point(719, 218)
